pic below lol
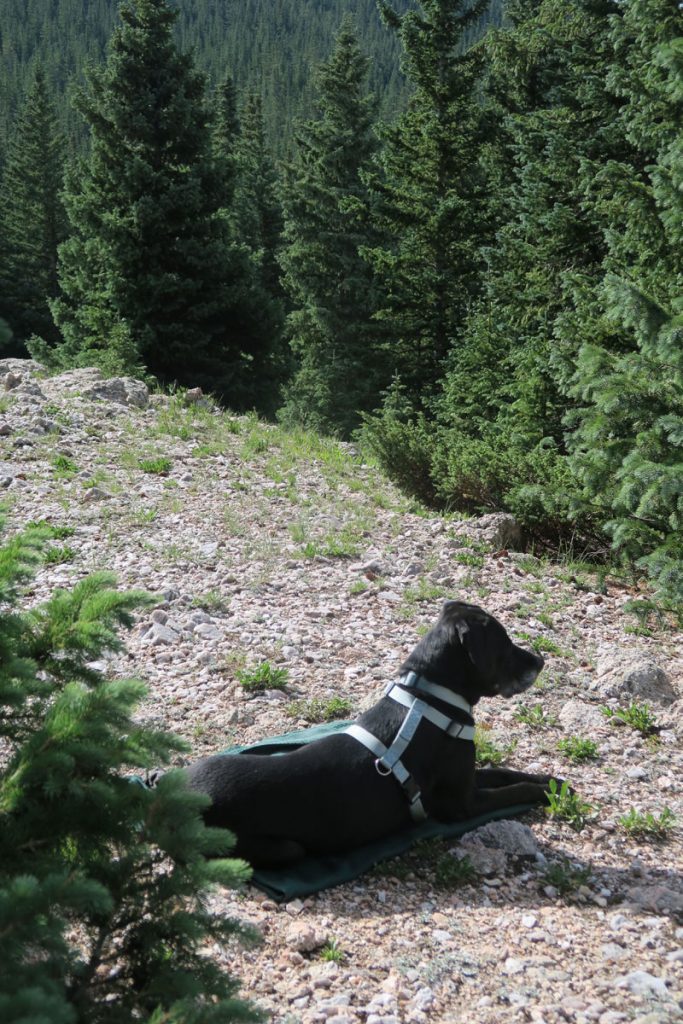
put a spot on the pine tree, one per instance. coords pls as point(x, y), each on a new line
point(225, 137)
point(103, 882)
point(32, 220)
point(150, 267)
point(430, 197)
point(628, 441)
point(329, 285)
point(257, 223)
point(556, 128)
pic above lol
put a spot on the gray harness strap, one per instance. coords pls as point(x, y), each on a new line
point(388, 759)
point(398, 770)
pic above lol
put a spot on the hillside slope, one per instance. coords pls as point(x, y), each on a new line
point(264, 545)
point(269, 47)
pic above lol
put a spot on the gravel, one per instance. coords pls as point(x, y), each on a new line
point(262, 546)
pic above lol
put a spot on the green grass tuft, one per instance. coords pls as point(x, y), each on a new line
point(263, 677)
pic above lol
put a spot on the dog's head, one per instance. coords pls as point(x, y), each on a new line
point(469, 652)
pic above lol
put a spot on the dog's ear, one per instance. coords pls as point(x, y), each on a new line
point(470, 622)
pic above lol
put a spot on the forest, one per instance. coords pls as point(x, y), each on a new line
point(472, 265)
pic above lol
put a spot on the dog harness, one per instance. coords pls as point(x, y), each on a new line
point(388, 759)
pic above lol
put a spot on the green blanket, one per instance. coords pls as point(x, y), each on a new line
point(315, 873)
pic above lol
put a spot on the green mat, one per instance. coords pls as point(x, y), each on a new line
point(315, 873)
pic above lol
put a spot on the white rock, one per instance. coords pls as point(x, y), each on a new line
point(510, 836)
point(628, 673)
point(643, 984)
point(576, 716)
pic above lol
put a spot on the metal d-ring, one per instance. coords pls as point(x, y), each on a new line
point(381, 768)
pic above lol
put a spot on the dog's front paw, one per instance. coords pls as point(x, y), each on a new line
point(554, 784)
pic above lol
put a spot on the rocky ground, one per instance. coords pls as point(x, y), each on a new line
point(264, 546)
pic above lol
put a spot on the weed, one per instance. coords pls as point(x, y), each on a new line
point(235, 522)
point(541, 644)
point(160, 465)
point(207, 451)
point(647, 826)
point(332, 951)
point(298, 532)
point(57, 556)
point(144, 516)
point(55, 532)
point(64, 467)
point(358, 587)
point(425, 591)
point(471, 559)
point(211, 601)
point(255, 443)
point(318, 710)
point(545, 619)
point(450, 871)
point(565, 876)
point(487, 752)
point(535, 717)
point(638, 716)
point(340, 546)
point(577, 749)
point(531, 565)
point(263, 677)
point(567, 806)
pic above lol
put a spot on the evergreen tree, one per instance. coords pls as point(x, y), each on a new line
point(150, 275)
point(257, 224)
point(225, 136)
point(504, 396)
point(329, 285)
point(32, 220)
point(103, 882)
point(430, 197)
point(628, 442)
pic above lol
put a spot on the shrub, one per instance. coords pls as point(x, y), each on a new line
point(102, 881)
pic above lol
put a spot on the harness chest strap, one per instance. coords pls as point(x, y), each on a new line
point(388, 759)
point(398, 770)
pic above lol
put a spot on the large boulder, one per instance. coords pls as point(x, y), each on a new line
point(628, 674)
point(123, 390)
point(499, 529)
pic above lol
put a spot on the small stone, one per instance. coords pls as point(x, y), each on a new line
point(5, 430)
point(161, 634)
point(208, 631)
point(193, 396)
point(159, 616)
point(485, 860)
point(636, 773)
point(11, 381)
point(643, 984)
point(294, 907)
point(576, 717)
point(613, 951)
point(510, 836)
point(95, 494)
point(304, 938)
point(423, 998)
point(656, 898)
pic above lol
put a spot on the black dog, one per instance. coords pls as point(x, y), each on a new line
point(335, 794)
